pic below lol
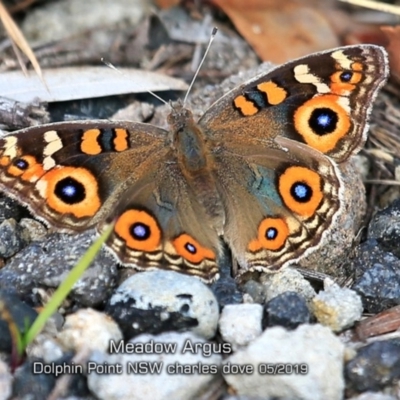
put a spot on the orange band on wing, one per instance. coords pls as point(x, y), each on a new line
point(275, 93)
point(89, 143)
point(121, 139)
point(246, 107)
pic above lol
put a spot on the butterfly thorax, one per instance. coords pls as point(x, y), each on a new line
point(195, 159)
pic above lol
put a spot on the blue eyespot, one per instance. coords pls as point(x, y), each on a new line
point(70, 191)
point(346, 76)
point(140, 231)
point(190, 248)
point(301, 192)
point(323, 120)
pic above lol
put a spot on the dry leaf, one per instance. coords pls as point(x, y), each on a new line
point(280, 30)
point(392, 33)
point(19, 40)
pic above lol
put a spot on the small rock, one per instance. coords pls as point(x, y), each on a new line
point(226, 291)
point(293, 365)
point(183, 374)
point(89, 329)
point(375, 366)
point(10, 208)
point(239, 324)
point(256, 291)
point(5, 381)
point(30, 385)
point(179, 302)
point(288, 310)
point(46, 263)
point(385, 228)
point(377, 277)
point(337, 307)
point(22, 314)
point(373, 396)
point(33, 229)
point(286, 280)
point(12, 238)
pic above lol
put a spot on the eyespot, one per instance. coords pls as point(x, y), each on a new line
point(139, 230)
point(70, 190)
point(344, 82)
point(272, 235)
point(301, 190)
point(322, 122)
point(191, 250)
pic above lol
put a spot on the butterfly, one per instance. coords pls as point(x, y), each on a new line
point(258, 171)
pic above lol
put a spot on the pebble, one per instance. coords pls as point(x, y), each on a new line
point(32, 386)
point(311, 353)
point(377, 277)
point(373, 396)
point(5, 381)
point(239, 324)
point(22, 314)
point(286, 280)
point(45, 264)
point(158, 301)
point(385, 228)
point(337, 307)
point(376, 366)
point(288, 310)
point(255, 290)
point(89, 329)
point(12, 238)
point(166, 384)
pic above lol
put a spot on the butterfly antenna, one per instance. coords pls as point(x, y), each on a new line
point(213, 33)
point(109, 65)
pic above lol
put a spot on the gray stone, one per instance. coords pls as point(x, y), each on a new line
point(169, 382)
point(309, 359)
point(287, 280)
point(239, 324)
point(89, 329)
point(170, 293)
point(337, 307)
point(5, 381)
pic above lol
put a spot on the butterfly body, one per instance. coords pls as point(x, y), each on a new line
point(259, 170)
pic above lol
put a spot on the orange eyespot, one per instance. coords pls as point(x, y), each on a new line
point(301, 190)
point(272, 235)
point(191, 250)
point(70, 190)
point(322, 122)
point(139, 230)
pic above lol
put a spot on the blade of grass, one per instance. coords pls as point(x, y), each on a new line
point(18, 38)
point(65, 288)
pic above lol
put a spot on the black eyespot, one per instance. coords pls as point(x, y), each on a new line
point(346, 76)
point(301, 192)
point(140, 231)
point(21, 163)
point(323, 120)
point(271, 233)
point(190, 248)
point(70, 191)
